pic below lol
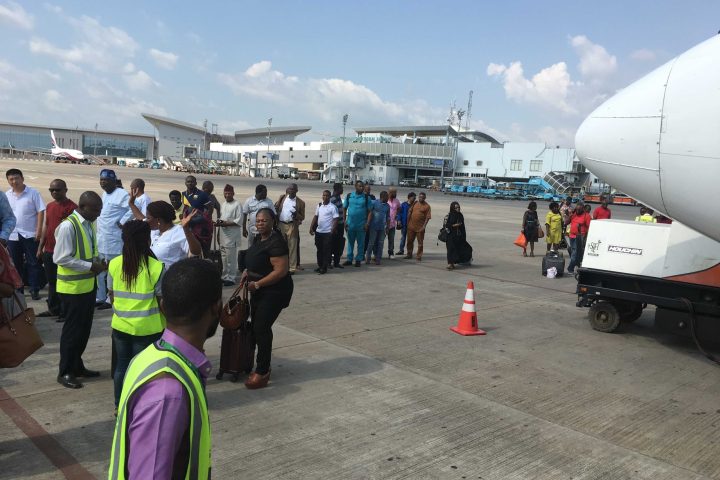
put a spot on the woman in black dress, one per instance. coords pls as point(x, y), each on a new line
point(458, 249)
point(530, 225)
point(271, 289)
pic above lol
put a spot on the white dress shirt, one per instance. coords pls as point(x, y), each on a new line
point(288, 208)
point(64, 253)
point(326, 214)
point(25, 205)
point(115, 210)
point(231, 212)
point(142, 202)
point(171, 246)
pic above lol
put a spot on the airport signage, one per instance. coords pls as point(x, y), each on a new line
point(626, 250)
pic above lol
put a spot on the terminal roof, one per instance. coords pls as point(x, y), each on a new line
point(273, 130)
point(75, 129)
point(169, 121)
point(426, 131)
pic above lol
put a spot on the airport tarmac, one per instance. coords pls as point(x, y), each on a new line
point(368, 382)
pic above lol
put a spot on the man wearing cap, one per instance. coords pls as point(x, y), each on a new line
point(115, 212)
point(201, 224)
point(230, 235)
point(291, 213)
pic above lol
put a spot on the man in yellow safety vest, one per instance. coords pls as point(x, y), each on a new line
point(163, 428)
point(76, 256)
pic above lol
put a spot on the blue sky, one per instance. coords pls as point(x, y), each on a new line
point(536, 68)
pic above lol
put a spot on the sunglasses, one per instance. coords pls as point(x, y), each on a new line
point(56, 189)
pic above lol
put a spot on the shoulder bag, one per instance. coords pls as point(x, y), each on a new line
point(444, 231)
point(19, 337)
point(237, 309)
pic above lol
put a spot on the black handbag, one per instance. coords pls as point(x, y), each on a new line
point(444, 231)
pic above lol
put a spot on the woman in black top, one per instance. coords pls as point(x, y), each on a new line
point(530, 227)
point(271, 288)
point(458, 249)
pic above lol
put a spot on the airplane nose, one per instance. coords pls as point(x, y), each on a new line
point(619, 141)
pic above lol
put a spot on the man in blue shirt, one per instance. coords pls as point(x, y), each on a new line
point(357, 206)
point(378, 223)
point(403, 220)
point(7, 219)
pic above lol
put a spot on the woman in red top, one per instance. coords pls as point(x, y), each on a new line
point(579, 225)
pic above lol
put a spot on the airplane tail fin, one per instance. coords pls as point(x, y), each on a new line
point(52, 136)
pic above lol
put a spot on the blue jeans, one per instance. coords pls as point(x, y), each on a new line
point(23, 252)
point(575, 251)
point(102, 293)
point(403, 237)
point(126, 347)
point(355, 237)
point(375, 245)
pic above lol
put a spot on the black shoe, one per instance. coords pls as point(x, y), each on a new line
point(35, 295)
point(60, 320)
point(347, 262)
point(331, 266)
point(98, 303)
point(322, 272)
point(228, 283)
point(317, 270)
point(357, 263)
point(104, 306)
point(85, 373)
point(69, 381)
point(338, 266)
point(45, 314)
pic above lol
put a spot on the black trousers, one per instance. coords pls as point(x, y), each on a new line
point(79, 310)
point(323, 243)
point(53, 299)
point(338, 244)
point(264, 310)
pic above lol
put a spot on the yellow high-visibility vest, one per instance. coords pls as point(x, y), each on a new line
point(136, 310)
point(72, 281)
point(144, 367)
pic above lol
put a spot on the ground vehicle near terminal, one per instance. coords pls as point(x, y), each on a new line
point(629, 142)
point(287, 172)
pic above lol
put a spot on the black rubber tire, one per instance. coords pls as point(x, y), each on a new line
point(604, 317)
point(631, 312)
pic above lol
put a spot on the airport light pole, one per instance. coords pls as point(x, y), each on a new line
point(96, 139)
point(342, 150)
point(268, 149)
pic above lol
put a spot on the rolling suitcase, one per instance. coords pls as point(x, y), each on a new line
point(553, 259)
point(237, 352)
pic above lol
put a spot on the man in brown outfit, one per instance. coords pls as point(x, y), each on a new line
point(418, 218)
point(291, 213)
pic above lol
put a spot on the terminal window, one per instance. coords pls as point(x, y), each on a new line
point(536, 165)
point(465, 162)
point(478, 163)
point(516, 165)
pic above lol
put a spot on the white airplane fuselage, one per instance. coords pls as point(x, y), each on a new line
point(68, 153)
point(658, 140)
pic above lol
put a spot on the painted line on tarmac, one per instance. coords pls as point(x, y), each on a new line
point(46, 443)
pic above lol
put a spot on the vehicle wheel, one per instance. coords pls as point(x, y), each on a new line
point(604, 317)
point(631, 312)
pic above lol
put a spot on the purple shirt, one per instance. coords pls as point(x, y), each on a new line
point(159, 417)
point(394, 208)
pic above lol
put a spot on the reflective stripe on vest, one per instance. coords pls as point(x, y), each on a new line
point(144, 367)
point(135, 309)
point(71, 281)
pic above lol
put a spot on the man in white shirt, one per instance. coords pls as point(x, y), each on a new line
point(24, 241)
point(115, 212)
point(323, 225)
point(250, 209)
point(230, 235)
point(291, 214)
point(142, 199)
point(78, 307)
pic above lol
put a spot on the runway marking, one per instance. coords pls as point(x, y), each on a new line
point(46, 443)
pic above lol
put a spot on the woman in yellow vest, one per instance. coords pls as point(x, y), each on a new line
point(134, 285)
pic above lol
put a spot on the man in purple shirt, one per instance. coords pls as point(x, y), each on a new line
point(157, 442)
point(394, 211)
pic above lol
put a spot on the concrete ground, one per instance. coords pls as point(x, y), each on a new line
point(369, 383)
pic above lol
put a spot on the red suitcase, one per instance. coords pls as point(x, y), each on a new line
point(237, 352)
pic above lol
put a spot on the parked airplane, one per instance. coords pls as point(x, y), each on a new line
point(67, 153)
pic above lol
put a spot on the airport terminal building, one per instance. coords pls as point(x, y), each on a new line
point(103, 144)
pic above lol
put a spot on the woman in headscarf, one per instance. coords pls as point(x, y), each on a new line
point(458, 249)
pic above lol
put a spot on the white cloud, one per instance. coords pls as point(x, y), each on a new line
point(54, 101)
point(560, 136)
point(547, 88)
point(104, 48)
point(595, 61)
point(643, 55)
point(325, 98)
point(139, 81)
point(166, 60)
point(14, 14)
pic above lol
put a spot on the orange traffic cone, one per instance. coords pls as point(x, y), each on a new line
point(467, 323)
